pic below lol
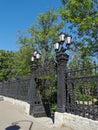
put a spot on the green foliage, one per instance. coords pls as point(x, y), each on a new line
point(83, 63)
point(22, 61)
point(47, 87)
point(7, 65)
point(83, 97)
point(53, 107)
point(13, 64)
point(43, 34)
point(82, 17)
point(40, 36)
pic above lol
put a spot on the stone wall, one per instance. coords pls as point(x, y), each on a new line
point(75, 122)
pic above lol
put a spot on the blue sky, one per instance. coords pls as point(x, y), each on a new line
point(18, 15)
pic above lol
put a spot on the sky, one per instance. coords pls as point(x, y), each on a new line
point(18, 15)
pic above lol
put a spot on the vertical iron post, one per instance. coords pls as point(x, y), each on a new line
point(36, 106)
point(31, 91)
point(62, 59)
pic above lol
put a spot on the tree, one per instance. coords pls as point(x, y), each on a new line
point(7, 65)
point(43, 34)
point(22, 61)
point(82, 18)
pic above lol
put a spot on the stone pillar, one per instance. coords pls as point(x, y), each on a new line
point(62, 59)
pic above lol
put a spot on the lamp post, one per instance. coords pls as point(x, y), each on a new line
point(36, 56)
point(61, 58)
point(36, 106)
point(32, 90)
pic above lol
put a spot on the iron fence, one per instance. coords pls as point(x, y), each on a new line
point(35, 89)
point(81, 89)
point(81, 92)
point(17, 88)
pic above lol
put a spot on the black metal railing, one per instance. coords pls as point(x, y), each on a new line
point(81, 91)
point(17, 89)
point(34, 89)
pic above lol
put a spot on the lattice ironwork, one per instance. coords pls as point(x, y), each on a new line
point(17, 88)
point(81, 87)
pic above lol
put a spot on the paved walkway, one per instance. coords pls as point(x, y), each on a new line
point(13, 119)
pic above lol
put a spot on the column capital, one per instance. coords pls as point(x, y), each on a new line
point(33, 67)
point(61, 56)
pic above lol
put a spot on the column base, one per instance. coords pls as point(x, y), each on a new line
point(60, 109)
point(37, 110)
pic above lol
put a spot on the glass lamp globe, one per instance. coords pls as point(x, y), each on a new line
point(68, 39)
point(35, 52)
point(32, 58)
point(56, 46)
point(38, 56)
point(62, 37)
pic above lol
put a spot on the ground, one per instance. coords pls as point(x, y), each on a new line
point(11, 118)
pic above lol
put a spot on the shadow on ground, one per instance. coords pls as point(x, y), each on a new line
point(15, 125)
